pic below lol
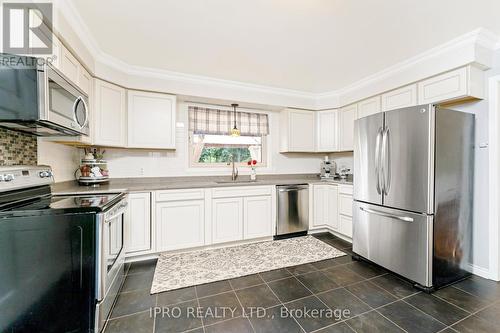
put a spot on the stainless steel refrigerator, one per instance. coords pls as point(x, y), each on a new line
point(413, 190)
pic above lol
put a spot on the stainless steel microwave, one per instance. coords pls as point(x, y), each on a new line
point(38, 99)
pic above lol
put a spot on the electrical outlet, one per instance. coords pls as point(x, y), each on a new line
point(141, 171)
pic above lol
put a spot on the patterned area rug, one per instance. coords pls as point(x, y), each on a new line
point(174, 271)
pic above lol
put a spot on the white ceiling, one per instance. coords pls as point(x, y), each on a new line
point(306, 45)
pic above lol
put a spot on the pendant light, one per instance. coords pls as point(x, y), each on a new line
point(235, 131)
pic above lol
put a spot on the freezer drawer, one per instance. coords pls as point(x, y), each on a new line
point(397, 240)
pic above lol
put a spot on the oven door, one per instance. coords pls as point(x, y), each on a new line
point(65, 104)
point(111, 248)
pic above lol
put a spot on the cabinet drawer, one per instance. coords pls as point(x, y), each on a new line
point(345, 204)
point(241, 191)
point(177, 195)
point(345, 189)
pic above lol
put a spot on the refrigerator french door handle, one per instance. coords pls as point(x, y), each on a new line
point(378, 159)
point(386, 163)
point(392, 216)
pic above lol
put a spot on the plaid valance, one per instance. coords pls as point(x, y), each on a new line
point(220, 122)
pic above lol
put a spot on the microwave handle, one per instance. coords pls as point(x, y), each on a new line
point(80, 99)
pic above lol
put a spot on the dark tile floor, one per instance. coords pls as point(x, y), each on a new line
point(336, 295)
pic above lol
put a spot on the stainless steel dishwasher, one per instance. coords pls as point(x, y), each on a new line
point(293, 210)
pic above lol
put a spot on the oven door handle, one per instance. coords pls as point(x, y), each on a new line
point(122, 209)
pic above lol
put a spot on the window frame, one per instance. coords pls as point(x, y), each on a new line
point(198, 165)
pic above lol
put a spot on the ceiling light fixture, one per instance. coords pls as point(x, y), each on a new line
point(235, 131)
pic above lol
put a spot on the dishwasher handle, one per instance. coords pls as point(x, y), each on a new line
point(292, 189)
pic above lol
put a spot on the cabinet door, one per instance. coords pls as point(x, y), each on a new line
point(257, 219)
point(319, 202)
point(180, 224)
point(84, 80)
point(227, 220)
point(462, 83)
point(151, 120)
point(347, 116)
point(345, 225)
point(400, 98)
point(110, 114)
point(327, 131)
point(301, 131)
point(369, 106)
point(69, 64)
point(138, 223)
point(345, 204)
point(331, 208)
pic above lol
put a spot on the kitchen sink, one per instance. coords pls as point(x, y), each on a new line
point(235, 181)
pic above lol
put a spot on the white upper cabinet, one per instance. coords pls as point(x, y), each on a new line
point(110, 115)
point(400, 98)
point(84, 80)
point(56, 52)
point(463, 83)
point(138, 223)
point(69, 65)
point(347, 116)
point(297, 131)
point(151, 120)
point(327, 131)
point(369, 106)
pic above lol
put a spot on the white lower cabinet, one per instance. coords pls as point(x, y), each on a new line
point(325, 206)
point(332, 208)
point(345, 225)
point(319, 196)
point(345, 210)
point(188, 218)
point(138, 224)
point(258, 217)
point(227, 220)
point(180, 224)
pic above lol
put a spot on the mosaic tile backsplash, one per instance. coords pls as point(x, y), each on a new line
point(17, 148)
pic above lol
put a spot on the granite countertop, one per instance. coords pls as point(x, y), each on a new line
point(141, 184)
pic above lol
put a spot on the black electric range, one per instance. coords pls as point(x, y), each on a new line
point(61, 256)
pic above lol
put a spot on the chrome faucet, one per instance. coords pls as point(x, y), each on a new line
point(234, 173)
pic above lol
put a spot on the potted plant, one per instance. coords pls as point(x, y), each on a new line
point(253, 164)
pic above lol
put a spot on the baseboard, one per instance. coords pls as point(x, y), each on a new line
point(131, 257)
point(333, 232)
point(480, 271)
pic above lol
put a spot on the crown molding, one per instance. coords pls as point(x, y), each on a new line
point(475, 47)
point(102, 59)
point(457, 52)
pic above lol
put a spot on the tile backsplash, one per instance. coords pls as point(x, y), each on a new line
point(17, 148)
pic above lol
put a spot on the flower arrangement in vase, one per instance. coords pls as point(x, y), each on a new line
point(253, 164)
